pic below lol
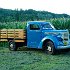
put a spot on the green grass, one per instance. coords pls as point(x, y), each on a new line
point(4, 44)
point(32, 59)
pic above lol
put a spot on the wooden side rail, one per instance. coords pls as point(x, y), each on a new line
point(19, 35)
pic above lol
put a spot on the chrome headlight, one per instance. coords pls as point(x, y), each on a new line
point(64, 37)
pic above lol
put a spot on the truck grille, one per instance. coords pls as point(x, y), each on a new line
point(65, 38)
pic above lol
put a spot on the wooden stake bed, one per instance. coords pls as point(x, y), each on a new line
point(18, 35)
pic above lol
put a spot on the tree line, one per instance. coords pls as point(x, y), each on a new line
point(8, 15)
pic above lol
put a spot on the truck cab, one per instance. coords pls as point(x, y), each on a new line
point(43, 35)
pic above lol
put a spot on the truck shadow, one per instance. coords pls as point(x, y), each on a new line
point(58, 52)
point(29, 49)
point(63, 51)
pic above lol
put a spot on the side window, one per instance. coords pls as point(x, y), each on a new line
point(34, 27)
point(47, 26)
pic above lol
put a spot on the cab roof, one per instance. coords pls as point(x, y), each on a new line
point(38, 22)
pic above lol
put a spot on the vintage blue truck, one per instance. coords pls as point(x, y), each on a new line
point(41, 35)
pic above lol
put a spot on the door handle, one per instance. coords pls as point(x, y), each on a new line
point(37, 31)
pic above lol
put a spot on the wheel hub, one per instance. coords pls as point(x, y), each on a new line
point(11, 45)
point(49, 48)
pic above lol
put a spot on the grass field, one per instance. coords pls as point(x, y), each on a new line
point(33, 59)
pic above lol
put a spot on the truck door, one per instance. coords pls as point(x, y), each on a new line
point(33, 35)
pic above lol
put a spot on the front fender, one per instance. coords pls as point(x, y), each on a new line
point(52, 38)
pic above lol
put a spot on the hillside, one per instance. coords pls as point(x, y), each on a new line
point(8, 15)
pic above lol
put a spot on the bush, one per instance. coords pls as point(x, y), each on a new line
point(13, 25)
point(61, 23)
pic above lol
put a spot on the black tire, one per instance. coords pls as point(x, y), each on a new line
point(12, 45)
point(49, 48)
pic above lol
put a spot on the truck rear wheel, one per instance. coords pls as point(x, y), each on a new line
point(12, 45)
point(49, 48)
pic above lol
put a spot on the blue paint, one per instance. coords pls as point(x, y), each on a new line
point(42, 32)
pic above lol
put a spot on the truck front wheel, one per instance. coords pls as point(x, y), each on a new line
point(12, 45)
point(49, 48)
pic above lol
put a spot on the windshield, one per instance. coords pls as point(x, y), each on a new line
point(48, 26)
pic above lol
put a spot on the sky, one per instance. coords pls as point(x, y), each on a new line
point(54, 6)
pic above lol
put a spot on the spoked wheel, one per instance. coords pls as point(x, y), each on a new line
point(12, 45)
point(49, 48)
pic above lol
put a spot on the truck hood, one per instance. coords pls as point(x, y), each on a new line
point(55, 32)
point(63, 33)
